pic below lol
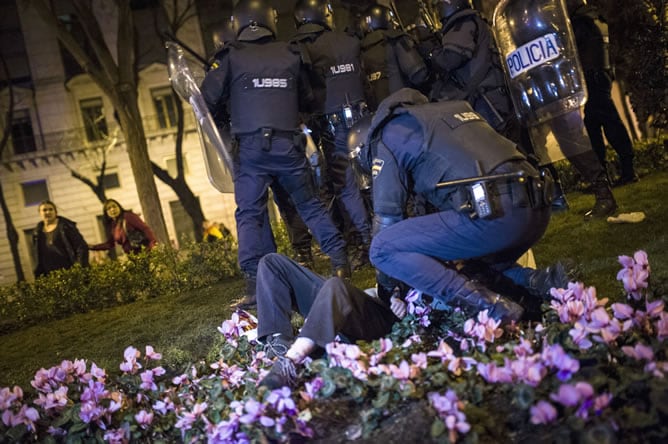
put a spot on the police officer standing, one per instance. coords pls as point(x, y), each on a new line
point(432, 149)
point(468, 66)
point(336, 78)
point(260, 80)
point(390, 57)
point(600, 113)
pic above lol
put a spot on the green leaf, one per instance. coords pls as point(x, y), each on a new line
point(437, 428)
point(381, 400)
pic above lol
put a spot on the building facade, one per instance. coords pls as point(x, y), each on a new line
point(62, 124)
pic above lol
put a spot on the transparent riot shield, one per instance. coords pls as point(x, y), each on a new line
point(216, 145)
point(544, 75)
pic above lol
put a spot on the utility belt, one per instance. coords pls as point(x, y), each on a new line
point(347, 116)
point(267, 134)
point(479, 196)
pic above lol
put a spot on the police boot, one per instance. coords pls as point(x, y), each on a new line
point(542, 281)
point(605, 204)
point(249, 300)
point(472, 298)
point(305, 258)
point(340, 265)
point(360, 257)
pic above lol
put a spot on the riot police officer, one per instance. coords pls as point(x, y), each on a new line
point(548, 87)
point(338, 88)
point(390, 57)
point(491, 203)
point(256, 76)
point(600, 113)
point(468, 66)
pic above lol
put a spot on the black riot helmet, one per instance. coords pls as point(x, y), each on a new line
point(314, 11)
point(574, 5)
point(359, 151)
point(254, 14)
point(223, 34)
point(446, 8)
point(377, 17)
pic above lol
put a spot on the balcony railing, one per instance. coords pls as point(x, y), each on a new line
point(75, 139)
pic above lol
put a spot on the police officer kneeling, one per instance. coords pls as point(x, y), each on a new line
point(490, 204)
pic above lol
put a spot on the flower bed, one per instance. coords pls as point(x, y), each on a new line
point(590, 372)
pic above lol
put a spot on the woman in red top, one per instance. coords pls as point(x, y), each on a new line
point(124, 228)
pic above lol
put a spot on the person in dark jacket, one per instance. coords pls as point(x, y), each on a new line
point(125, 228)
point(57, 242)
point(600, 113)
point(489, 204)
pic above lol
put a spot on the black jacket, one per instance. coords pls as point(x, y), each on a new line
point(68, 238)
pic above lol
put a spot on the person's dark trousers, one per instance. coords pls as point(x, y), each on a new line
point(600, 114)
point(283, 286)
point(331, 307)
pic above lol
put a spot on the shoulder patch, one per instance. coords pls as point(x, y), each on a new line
point(377, 167)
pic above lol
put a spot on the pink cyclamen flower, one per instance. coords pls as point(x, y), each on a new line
point(151, 354)
point(147, 381)
point(144, 418)
point(543, 413)
point(635, 274)
point(640, 352)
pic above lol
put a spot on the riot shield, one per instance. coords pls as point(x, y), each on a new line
point(216, 145)
point(544, 76)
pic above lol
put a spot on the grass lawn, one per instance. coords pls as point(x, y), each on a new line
point(183, 327)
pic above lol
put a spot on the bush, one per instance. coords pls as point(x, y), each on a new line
point(146, 275)
point(650, 155)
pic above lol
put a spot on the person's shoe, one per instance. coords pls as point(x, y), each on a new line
point(542, 281)
point(625, 180)
point(282, 374)
point(249, 300)
point(605, 204)
point(276, 345)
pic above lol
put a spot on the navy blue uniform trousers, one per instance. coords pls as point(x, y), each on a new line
point(413, 250)
point(258, 165)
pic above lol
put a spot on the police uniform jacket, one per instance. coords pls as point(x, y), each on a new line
point(468, 61)
point(333, 62)
point(262, 80)
point(391, 61)
point(415, 144)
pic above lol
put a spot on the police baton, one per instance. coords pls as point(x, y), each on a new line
point(521, 176)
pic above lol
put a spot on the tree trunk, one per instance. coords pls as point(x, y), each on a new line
point(186, 197)
point(137, 148)
point(12, 237)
